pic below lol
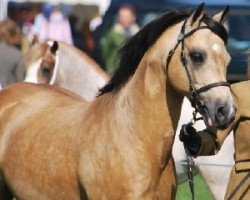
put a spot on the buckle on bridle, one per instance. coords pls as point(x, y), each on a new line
point(180, 36)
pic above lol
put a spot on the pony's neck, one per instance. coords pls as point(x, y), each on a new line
point(151, 107)
point(155, 102)
point(146, 110)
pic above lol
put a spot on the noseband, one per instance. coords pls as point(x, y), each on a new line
point(194, 95)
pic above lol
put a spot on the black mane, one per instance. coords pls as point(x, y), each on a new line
point(133, 50)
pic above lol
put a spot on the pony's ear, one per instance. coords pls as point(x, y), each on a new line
point(221, 17)
point(35, 40)
point(195, 19)
point(54, 47)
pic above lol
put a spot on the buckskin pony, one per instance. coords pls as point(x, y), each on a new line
point(60, 64)
point(54, 145)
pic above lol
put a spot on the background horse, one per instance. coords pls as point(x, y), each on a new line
point(117, 146)
point(60, 64)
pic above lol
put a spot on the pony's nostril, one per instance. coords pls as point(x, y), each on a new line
point(221, 112)
point(221, 116)
point(224, 114)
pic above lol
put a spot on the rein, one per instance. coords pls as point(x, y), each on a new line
point(194, 94)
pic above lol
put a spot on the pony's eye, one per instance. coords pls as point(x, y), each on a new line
point(46, 72)
point(196, 57)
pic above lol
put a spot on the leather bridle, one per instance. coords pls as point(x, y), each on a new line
point(194, 95)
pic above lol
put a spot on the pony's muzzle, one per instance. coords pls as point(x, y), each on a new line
point(224, 114)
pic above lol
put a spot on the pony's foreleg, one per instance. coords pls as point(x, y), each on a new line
point(5, 193)
point(166, 188)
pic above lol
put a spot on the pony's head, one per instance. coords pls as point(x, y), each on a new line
point(194, 60)
point(197, 66)
point(40, 62)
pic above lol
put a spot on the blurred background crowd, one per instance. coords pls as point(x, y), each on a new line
point(99, 28)
point(76, 24)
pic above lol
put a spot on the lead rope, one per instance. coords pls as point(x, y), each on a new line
point(190, 161)
point(190, 166)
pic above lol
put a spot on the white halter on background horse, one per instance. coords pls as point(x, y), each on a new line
point(54, 145)
point(57, 63)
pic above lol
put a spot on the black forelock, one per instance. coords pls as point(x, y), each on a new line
point(133, 50)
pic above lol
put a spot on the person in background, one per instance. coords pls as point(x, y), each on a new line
point(10, 53)
point(88, 38)
point(42, 18)
point(95, 22)
point(124, 28)
point(93, 39)
point(210, 140)
point(97, 31)
point(52, 24)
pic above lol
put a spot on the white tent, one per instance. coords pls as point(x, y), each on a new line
point(3, 9)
